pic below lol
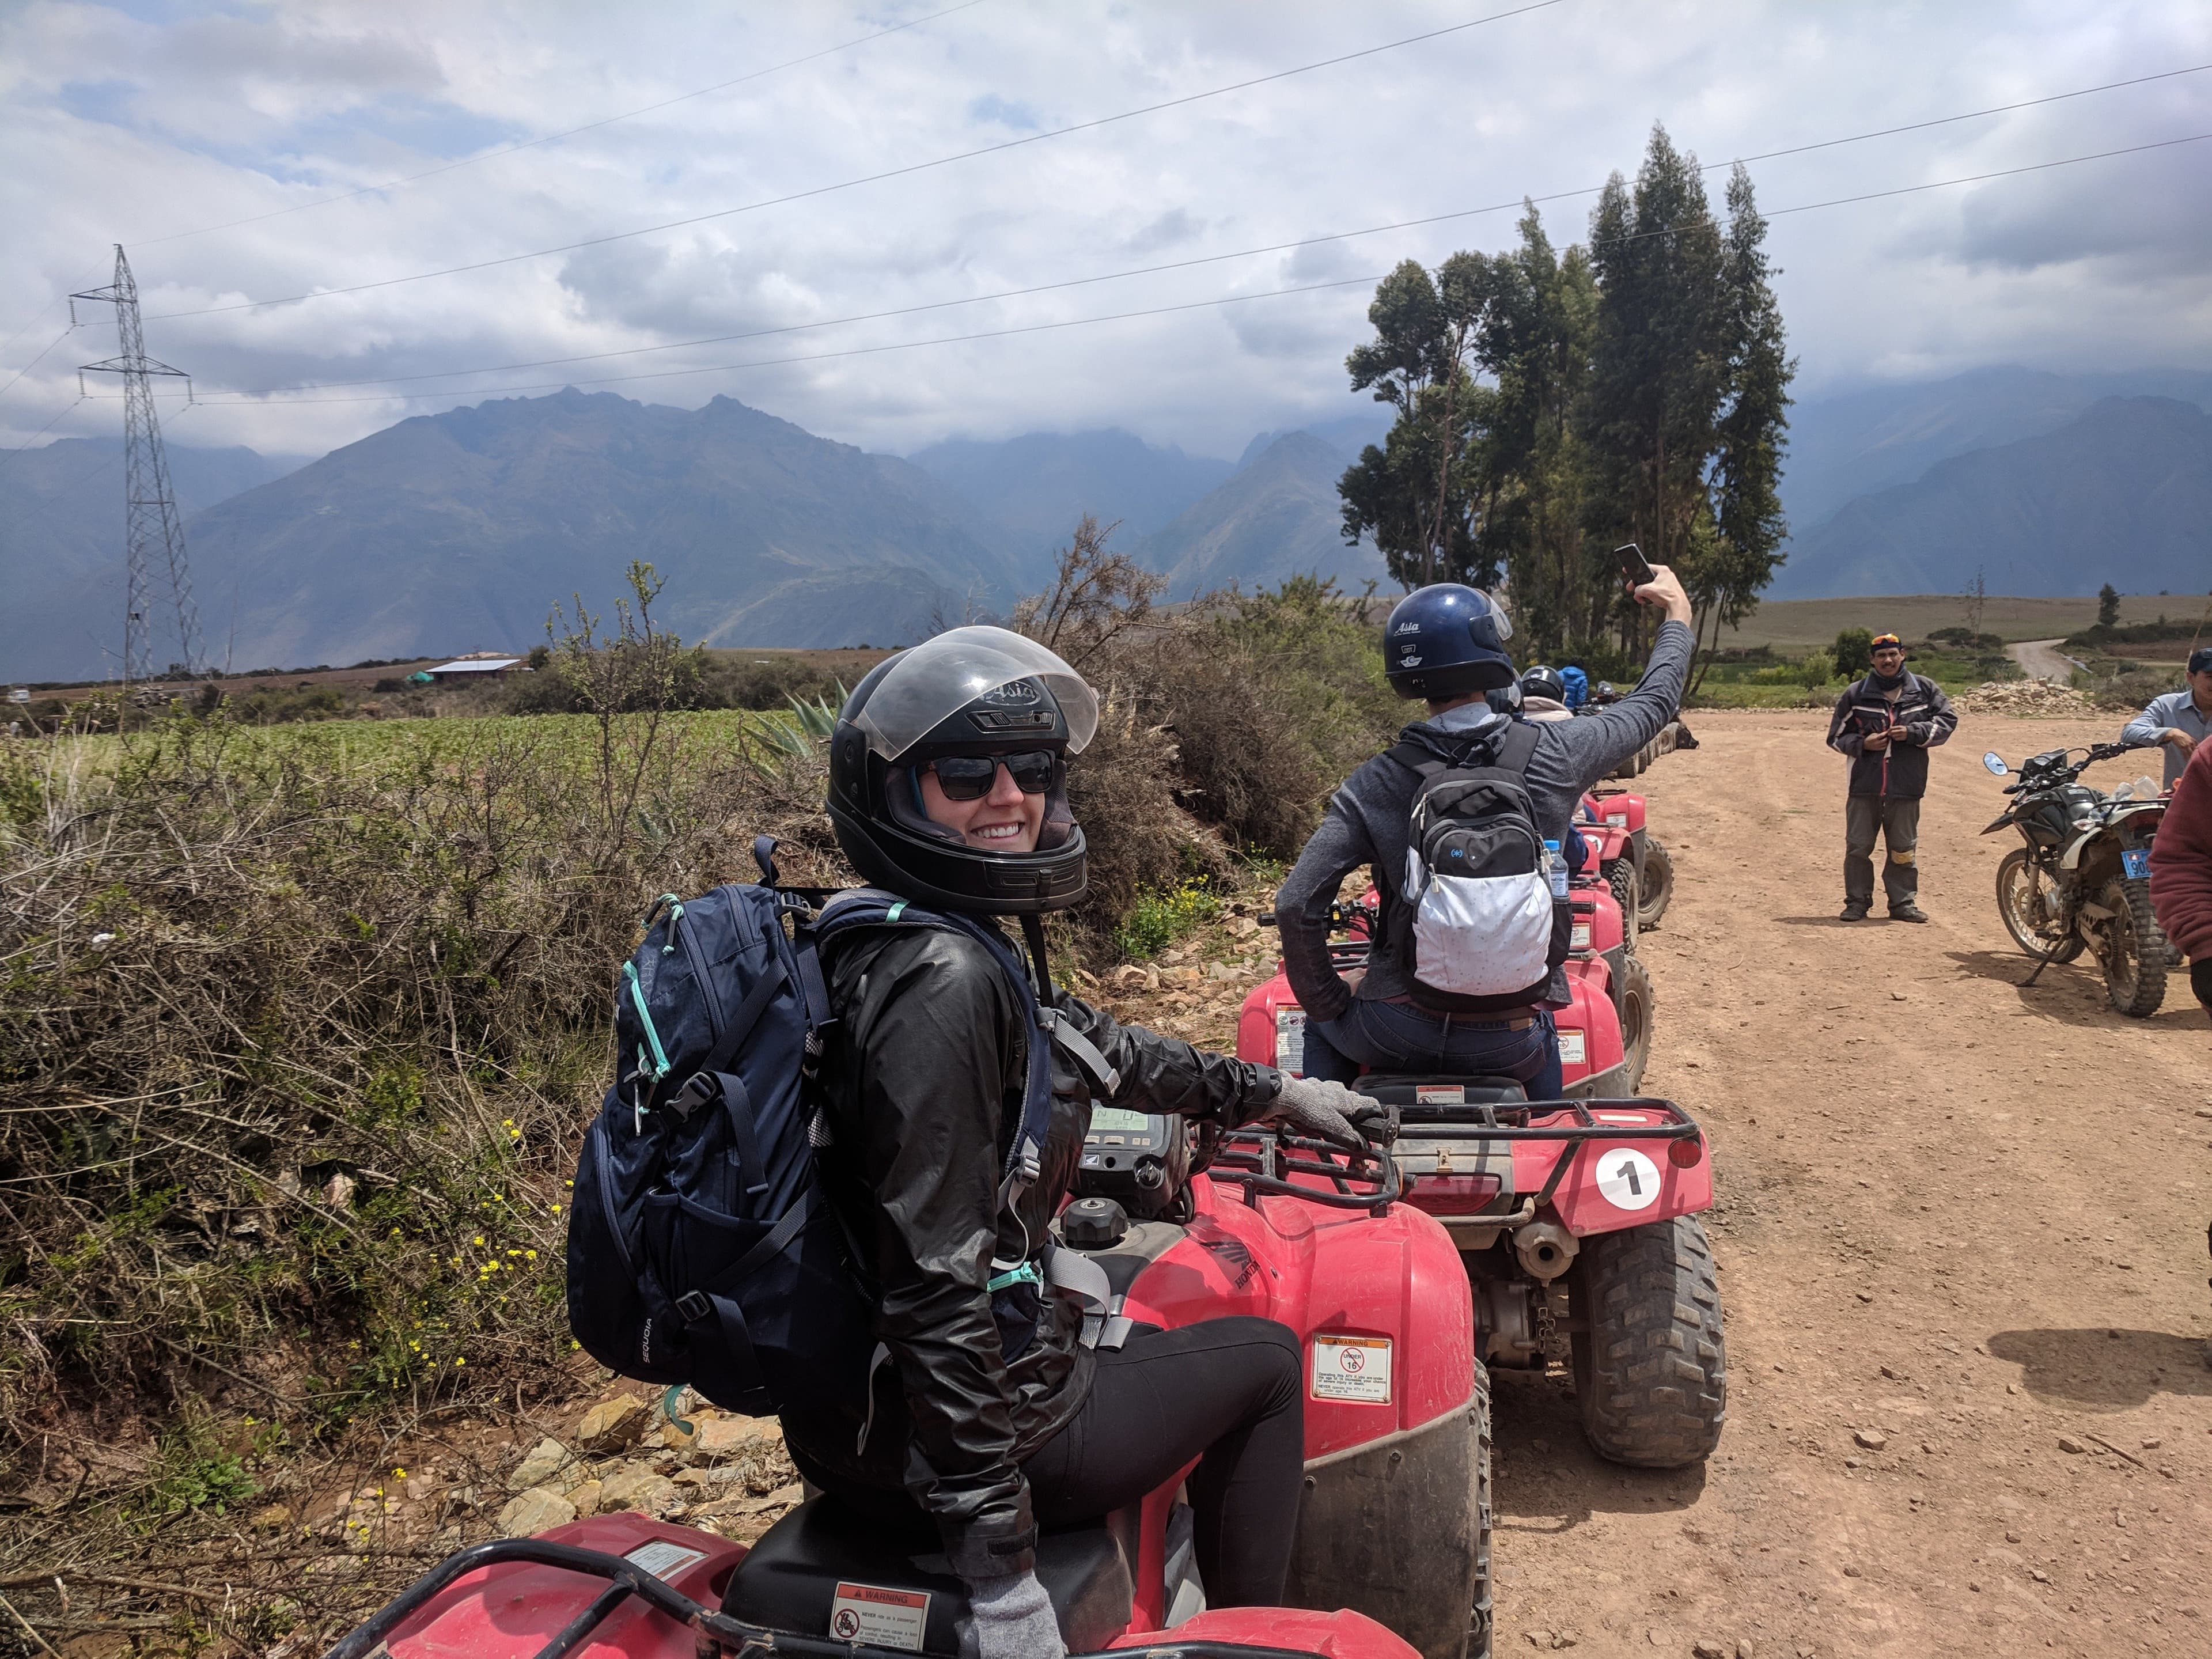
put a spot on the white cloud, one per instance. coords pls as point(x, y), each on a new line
point(138, 128)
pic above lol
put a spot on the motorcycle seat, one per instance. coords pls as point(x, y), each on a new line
point(789, 1580)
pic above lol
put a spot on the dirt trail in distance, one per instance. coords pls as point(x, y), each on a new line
point(2042, 659)
point(1962, 1228)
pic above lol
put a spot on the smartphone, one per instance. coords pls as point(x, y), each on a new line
point(1633, 565)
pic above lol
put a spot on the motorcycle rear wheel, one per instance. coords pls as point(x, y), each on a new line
point(2135, 965)
point(2020, 885)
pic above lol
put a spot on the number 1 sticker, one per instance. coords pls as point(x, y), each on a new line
point(1627, 1180)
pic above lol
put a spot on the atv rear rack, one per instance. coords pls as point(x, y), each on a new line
point(1433, 1122)
point(717, 1633)
point(1264, 1162)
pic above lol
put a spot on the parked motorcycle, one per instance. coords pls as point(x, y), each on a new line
point(2082, 879)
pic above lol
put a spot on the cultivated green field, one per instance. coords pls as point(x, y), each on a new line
point(1791, 626)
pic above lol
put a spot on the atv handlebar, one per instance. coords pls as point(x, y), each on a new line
point(717, 1632)
point(1262, 1161)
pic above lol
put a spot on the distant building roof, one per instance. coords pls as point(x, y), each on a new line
point(474, 665)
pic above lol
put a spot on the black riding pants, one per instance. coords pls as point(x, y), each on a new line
point(1227, 1392)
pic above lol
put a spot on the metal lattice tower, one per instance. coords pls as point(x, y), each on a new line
point(153, 520)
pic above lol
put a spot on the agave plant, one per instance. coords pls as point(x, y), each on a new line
point(816, 718)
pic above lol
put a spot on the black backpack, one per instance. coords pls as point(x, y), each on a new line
point(701, 1248)
point(1477, 928)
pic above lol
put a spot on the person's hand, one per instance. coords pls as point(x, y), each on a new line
point(2179, 739)
point(1315, 1107)
point(1010, 1618)
point(1876, 740)
point(1353, 977)
point(1900, 734)
point(1665, 591)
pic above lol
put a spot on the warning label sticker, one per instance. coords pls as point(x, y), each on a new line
point(887, 1618)
point(1628, 1180)
point(1573, 1050)
point(1355, 1368)
point(664, 1558)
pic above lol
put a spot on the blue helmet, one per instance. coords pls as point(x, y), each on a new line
point(1444, 641)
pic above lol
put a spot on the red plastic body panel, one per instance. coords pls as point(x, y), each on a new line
point(1339, 1273)
point(512, 1610)
point(1604, 806)
point(1583, 1204)
point(1344, 1635)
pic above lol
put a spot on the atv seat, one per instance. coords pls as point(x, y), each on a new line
point(1437, 1096)
point(789, 1580)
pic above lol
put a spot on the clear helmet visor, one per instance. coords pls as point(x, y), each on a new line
point(1487, 621)
point(926, 684)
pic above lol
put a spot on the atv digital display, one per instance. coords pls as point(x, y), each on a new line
point(1118, 1118)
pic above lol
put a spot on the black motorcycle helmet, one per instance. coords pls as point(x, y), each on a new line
point(1543, 682)
point(973, 692)
point(1444, 641)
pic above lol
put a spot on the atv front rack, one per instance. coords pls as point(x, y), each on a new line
point(1264, 1162)
point(717, 1633)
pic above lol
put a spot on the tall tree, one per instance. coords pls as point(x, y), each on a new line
point(1740, 557)
point(1420, 493)
point(1660, 367)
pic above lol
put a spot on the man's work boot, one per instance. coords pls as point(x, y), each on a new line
point(1908, 912)
point(1852, 913)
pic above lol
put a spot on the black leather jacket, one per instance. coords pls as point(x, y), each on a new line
point(1897, 770)
point(923, 1081)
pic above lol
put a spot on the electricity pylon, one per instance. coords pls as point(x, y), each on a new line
point(152, 505)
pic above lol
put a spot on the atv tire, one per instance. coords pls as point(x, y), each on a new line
point(2019, 904)
point(1479, 1621)
point(1620, 877)
point(1650, 1365)
point(1656, 888)
point(2135, 960)
point(1637, 1001)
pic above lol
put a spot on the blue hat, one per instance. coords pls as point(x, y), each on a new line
point(1444, 641)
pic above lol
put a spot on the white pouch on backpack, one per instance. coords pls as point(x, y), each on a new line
point(1478, 936)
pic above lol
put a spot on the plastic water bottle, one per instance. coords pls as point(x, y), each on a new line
point(1556, 862)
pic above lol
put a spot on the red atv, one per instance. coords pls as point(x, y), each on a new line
point(1394, 1532)
point(1605, 1030)
point(1635, 863)
point(1576, 1220)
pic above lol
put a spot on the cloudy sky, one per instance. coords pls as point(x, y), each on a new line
point(247, 153)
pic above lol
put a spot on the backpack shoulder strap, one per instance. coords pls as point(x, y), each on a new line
point(1516, 747)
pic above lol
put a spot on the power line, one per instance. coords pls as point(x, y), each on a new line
point(47, 427)
point(569, 132)
point(33, 363)
point(239, 398)
point(1212, 258)
point(871, 177)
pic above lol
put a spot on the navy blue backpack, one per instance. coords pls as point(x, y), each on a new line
point(701, 1248)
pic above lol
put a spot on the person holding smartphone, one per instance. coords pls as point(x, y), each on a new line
point(1886, 722)
point(1446, 645)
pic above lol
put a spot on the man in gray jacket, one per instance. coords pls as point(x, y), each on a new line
point(1445, 644)
point(2179, 720)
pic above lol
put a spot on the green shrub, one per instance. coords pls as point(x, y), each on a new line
point(1854, 651)
point(1161, 917)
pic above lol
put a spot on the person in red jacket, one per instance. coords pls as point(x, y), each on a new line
point(2181, 870)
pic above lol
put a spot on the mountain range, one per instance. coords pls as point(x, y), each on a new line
point(458, 531)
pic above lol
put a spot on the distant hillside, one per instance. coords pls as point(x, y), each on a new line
point(61, 544)
point(1038, 486)
point(2124, 494)
point(1277, 518)
point(458, 531)
point(1851, 444)
point(1347, 433)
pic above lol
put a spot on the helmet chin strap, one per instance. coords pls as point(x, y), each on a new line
point(1039, 962)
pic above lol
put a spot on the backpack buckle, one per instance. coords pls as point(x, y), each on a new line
point(695, 1307)
point(699, 1090)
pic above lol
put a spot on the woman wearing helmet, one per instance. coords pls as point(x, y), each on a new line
point(948, 787)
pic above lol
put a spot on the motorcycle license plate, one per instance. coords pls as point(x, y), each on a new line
point(2135, 862)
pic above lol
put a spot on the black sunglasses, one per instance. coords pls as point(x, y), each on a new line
point(970, 777)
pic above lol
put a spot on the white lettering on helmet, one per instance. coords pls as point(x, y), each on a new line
point(1409, 628)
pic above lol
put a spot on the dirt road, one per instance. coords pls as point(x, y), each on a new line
point(2042, 659)
point(1960, 1219)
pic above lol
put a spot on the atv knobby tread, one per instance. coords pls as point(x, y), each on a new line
point(1481, 1622)
point(1650, 1365)
point(1620, 877)
point(1637, 991)
point(1656, 887)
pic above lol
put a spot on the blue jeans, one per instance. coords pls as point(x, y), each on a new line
point(1393, 1036)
